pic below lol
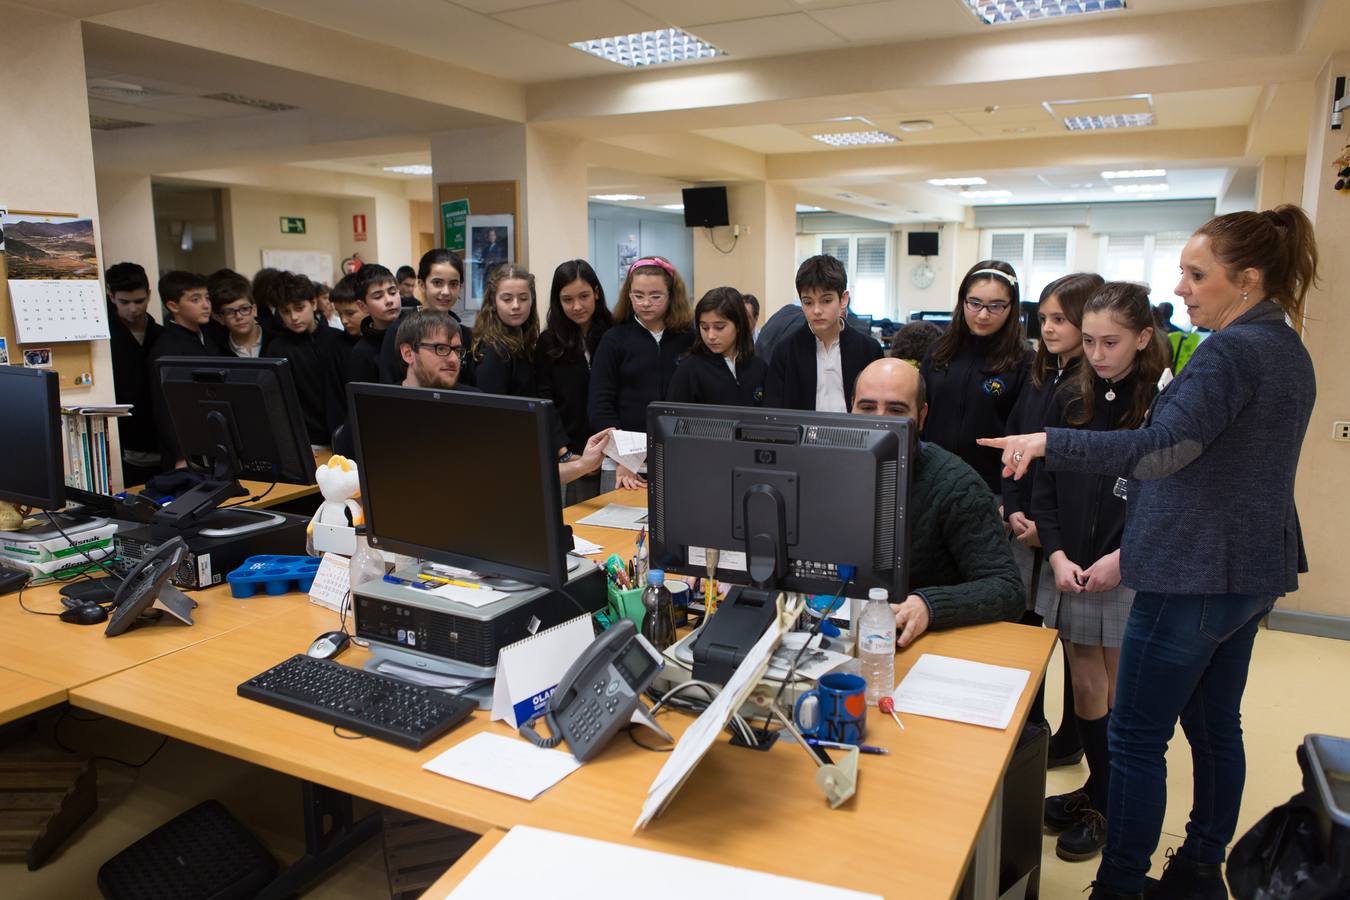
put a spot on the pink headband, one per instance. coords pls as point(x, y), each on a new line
point(652, 261)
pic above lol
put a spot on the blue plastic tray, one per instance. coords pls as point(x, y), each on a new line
point(273, 575)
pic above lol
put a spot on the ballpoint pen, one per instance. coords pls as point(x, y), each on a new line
point(861, 748)
point(439, 579)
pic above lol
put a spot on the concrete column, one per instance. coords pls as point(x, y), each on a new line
point(1280, 180)
point(49, 157)
point(127, 218)
point(1324, 468)
point(762, 259)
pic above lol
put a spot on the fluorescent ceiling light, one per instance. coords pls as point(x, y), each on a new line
point(1119, 120)
point(805, 208)
point(409, 170)
point(617, 198)
point(998, 12)
point(856, 138)
point(1138, 188)
point(957, 182)
point(677, 207)
point(649, 48)
point(980, 195)
point(1136, 173)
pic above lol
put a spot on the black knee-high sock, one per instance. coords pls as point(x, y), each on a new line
point(1067, 740)
point(1098, 755)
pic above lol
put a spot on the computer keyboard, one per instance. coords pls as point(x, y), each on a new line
point(376, 705)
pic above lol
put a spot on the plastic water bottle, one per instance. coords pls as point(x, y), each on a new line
point(658, 622)
point(876, 645)
point(367, 564)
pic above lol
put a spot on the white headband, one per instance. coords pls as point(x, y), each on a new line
point(1011, 279)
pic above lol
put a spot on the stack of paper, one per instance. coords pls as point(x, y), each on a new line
point(960, 690)
point(616, 515)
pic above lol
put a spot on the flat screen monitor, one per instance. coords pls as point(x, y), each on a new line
point(785, 496)
point(923, 243)
point(461, 478)
point(705, 207)
point(32, 466)
point(247, 407)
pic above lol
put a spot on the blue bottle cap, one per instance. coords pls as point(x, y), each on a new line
point(656, 576)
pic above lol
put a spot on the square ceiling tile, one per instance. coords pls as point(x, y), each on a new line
point(1003, 116)
point(702, 12)
point(580, 20)
point(769, 36)
point(894, 20)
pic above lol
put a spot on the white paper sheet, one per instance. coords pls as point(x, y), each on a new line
point(960, 690)
point(627, 448)
point(504, 764)
point(579, 868)
point(583, 547)
point(616, 515)
point(474, 597)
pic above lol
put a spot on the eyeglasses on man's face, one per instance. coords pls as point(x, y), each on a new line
point(443, 350)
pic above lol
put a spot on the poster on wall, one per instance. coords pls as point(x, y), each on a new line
point(628, 254)
point(53, 278)
point(453, 214)
point(490, 245)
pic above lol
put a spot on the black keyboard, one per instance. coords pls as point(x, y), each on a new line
point(406, 714)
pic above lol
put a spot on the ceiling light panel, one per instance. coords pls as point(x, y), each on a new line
point(673, 207)
point(409, 170)
point(1136, 173)
point(110, 123)
point(1001, 12)
point(957, 182)
point(617, 198)
point(241, 100)
point(856, 138)
point(649, 48)
point(984, 195)
point(1098, 123)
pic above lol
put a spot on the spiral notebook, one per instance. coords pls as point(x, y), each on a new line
point(529, 670)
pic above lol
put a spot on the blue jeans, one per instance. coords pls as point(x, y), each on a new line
point(1184, 656)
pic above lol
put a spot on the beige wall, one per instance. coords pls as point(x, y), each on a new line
point(1323, 487)
point(49, 158)
point(255, 225)
point(761, 260)
point(127, 216)
point(1280, 180)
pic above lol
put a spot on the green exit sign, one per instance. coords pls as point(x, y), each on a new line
point(292, 225)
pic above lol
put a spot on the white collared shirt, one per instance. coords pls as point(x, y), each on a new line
point(655, 334)
point(829, 378)
point(253, 350)
point(731, 364)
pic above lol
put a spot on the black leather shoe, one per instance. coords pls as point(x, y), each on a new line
point(1062, 810)
point(1066, 758)
point(1185, 879)
point(1100, 892)
point(1085, 839)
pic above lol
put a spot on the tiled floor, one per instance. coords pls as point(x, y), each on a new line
point(1294, 689)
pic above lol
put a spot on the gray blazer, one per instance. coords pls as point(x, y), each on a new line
point(1211, 489)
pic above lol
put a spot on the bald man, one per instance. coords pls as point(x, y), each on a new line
point(961, 568)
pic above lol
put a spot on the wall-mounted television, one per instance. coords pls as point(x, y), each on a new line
point(921, 243)
point(705, 207)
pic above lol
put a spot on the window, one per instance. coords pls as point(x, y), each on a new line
point(1038, 255)
point(1151, 259)
point(867, 262)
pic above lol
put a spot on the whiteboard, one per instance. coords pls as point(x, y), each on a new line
point(316, 264)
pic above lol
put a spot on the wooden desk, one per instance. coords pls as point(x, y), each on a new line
point(910, 830)
point(21, 695)
point(66, 655)
point(614, 540)
point(442, 886)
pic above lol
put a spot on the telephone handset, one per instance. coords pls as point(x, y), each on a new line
point(600, 693)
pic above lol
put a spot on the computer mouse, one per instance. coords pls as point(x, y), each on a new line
point(85, 614)
point(329, 644)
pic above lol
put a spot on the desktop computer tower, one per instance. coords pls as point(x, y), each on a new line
point(416, 628)
point(210, 559)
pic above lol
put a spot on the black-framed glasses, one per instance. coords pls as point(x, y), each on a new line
point(442, 349)
point(237, 312)
point(996, 309)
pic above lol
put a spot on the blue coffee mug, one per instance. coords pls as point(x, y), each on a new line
point(835, 710)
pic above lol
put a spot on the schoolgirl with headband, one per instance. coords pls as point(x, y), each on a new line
point(977, 369)
point(636, 359)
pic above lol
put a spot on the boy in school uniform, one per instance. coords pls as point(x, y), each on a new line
point(815, 367)
point(345, 303)
point(132, 333)
point(407, 287)
point(377, 293)
point(233, 309)
point(316, 356)
point(189, 307)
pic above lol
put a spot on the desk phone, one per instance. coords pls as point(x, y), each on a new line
point(600, 692)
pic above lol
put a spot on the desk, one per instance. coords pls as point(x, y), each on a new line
point(22, 694)
point(911, 828)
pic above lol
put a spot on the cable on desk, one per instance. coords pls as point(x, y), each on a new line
point(847, 572)
point(56, 737)
point(347, 737)
point(85, 553)
point(27, 609)
point(631, 731)
point(256, 497)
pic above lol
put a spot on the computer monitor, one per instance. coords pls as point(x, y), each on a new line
point(462, 478)
point(232, 417)
point(786, 497)
point(33, 469)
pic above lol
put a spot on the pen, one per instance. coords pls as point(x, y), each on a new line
point(862, 748)
point(440, 580)
point(394, 579)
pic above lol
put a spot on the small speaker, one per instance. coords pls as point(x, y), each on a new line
point(705, 207)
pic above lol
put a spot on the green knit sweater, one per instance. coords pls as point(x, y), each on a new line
point(960, 561)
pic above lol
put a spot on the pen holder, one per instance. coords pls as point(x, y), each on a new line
point(626, 605)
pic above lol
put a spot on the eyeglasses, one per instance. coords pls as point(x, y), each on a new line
point(996, 309)
point(443, 349)
point(640, 297)
point(237, 312)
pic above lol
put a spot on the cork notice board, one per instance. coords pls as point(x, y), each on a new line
point(486, 198)
point(70, 360)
